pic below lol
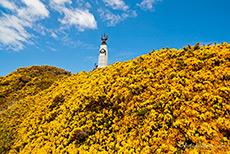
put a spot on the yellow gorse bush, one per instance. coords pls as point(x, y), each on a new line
point(170, 100)
point(28, 81)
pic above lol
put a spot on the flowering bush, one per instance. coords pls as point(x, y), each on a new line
point(170, 100)
point(27, 81)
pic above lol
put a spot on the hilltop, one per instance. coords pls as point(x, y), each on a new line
point(169, 100)
point(27, 81)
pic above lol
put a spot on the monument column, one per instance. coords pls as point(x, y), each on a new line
point(103, 53)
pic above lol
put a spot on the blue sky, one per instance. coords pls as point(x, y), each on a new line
point(66, 33)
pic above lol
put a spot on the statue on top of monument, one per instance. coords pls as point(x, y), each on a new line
point(104, 38)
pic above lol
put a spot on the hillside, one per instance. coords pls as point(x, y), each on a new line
point(27, 81)
point(175, 101)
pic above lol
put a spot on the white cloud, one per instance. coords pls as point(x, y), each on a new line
point(40, 29)
point(8, 5)
point(52, 49)
point(54, 35)
point(122, 12)
point(61, 2)
point(83, 3)
point(109, 17)
point(27, 13)
point(80, 18)
point(113, 19)
point(13, 28)
point(88, 5)
point(148, 4)
point(12, 35)
point(35, 8)
point(116, 4)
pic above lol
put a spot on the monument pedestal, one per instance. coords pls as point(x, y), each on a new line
point(103, 53)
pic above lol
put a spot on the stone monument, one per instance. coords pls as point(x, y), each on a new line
point(103, 53)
